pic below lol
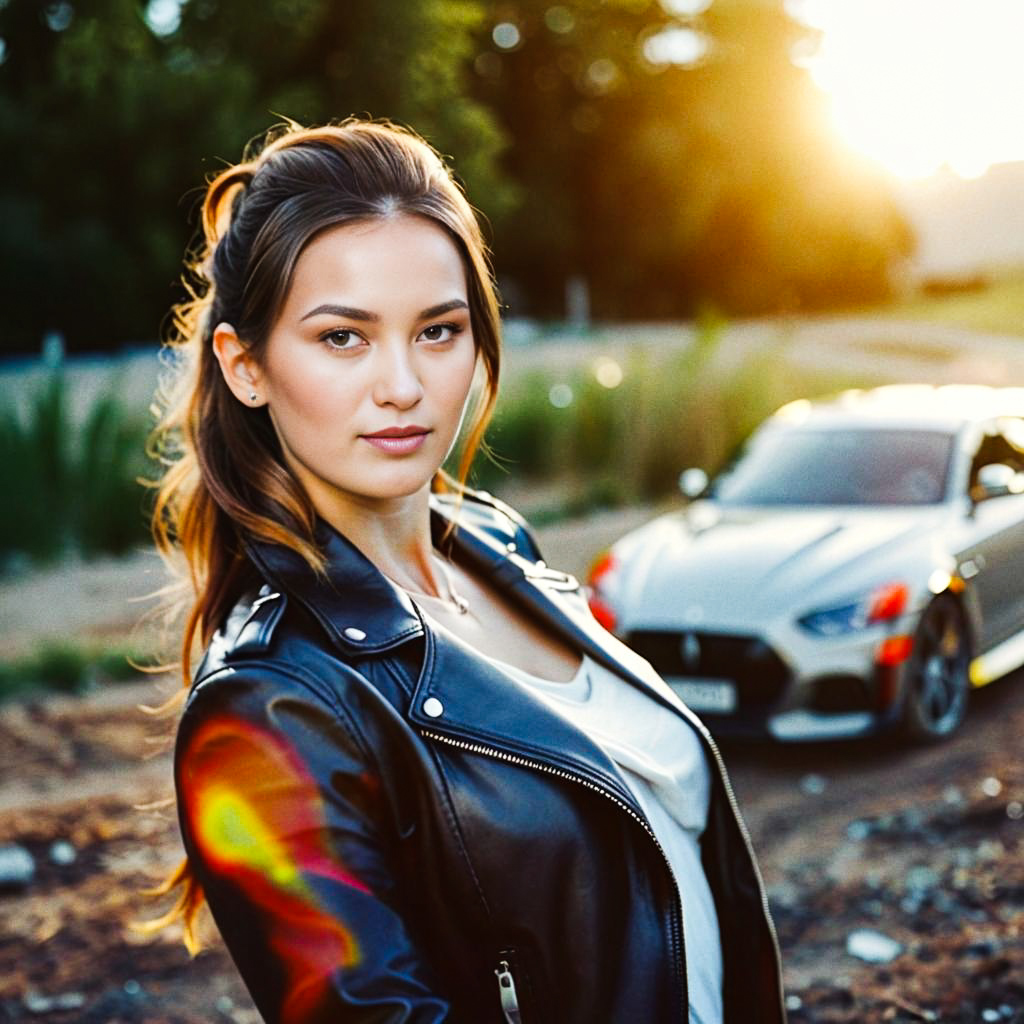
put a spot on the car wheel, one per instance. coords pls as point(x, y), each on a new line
point(937, 679)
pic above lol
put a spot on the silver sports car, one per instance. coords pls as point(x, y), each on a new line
point(858, 566)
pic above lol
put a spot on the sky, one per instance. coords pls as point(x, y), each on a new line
point(919, 85)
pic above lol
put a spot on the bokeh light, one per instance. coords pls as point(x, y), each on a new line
point(680, 45)
point(560, 396)
point(506, 36)
point(608, 372)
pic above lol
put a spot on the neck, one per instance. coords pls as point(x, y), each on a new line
point(394, 535)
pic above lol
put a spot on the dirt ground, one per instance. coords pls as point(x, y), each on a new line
point(915, 856)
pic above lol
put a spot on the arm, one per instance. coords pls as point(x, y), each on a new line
point(280, 814)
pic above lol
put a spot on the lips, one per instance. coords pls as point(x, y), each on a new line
point(398, 440)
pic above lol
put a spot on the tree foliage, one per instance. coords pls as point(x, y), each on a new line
point(110, 128)
point(669, 186)
point(664, 185)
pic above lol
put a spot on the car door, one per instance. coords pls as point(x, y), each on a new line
point(992, 559)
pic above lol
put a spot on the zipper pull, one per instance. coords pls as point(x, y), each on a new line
point(507, 991)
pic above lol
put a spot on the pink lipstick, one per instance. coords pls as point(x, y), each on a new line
point(398, 440)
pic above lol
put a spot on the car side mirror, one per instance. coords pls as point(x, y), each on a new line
point(995, 480)
point(693, 482)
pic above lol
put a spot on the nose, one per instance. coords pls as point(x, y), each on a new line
point(397, 381)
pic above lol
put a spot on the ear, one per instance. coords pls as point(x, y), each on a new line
point(241, 372)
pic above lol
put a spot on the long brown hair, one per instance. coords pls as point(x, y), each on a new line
point(224, 477)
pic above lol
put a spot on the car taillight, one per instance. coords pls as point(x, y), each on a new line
point(894, 649)
point(888, 602)
point(603, 565)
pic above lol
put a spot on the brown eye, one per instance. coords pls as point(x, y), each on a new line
point(341, 338)
point(441, 332)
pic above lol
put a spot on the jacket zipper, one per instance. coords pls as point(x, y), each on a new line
point(677, 916)
point(507, 991)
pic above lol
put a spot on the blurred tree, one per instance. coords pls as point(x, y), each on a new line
point(670, 155)
point(674, 155)
point(112, 112)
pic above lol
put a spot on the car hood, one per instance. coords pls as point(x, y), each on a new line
point(736, 566)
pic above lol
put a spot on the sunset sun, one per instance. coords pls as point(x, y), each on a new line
point(920, 84)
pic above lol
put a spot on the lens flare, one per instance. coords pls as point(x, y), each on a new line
point(258, 819)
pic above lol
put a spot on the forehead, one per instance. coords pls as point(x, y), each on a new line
point(403, 258)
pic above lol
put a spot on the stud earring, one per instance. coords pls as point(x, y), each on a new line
point(252, 396)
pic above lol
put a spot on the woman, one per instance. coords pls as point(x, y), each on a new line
point(416, 780)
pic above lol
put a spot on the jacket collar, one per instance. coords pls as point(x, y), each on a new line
point(364, 613)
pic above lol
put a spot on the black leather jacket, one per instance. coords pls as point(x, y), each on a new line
point(387, 830)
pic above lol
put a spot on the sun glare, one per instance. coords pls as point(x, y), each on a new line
point(921, 84)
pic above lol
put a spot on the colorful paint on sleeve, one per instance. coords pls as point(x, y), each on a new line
point(257, 818)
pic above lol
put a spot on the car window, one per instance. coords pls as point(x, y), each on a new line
point(1005, 445)
point(858, 466)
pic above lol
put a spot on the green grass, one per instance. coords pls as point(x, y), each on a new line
point(997, 307)
point(67, 667)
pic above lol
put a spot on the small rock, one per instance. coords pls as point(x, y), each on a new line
point(36, 1002)
point(990, 1015)
point(858, 830)
point(62, 852)
point(784, 894)
point(17, 868)
point(794, 1002)
point(911, 819)
point(981, 948)
point(989, 849)
point(132, 987)
point(921, 880)
point(991, 786)
point(952, 795)
point(1015, 810)
point(813, 785)
point(872, 947)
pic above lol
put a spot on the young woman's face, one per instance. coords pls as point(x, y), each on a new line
point(375, 336)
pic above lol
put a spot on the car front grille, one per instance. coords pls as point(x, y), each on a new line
point(759, 673)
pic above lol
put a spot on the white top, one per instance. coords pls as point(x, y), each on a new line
point(662, 761)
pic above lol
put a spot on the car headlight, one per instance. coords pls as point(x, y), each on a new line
point(886, 602)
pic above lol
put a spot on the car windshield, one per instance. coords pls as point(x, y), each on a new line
point(859, 466)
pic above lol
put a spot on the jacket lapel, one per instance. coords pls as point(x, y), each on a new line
point(364, 613)
point(466, 698)
point(557, 599)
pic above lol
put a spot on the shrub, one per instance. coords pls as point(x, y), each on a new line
point(66, 668)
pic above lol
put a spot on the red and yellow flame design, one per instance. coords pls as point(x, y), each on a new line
point(257, 818)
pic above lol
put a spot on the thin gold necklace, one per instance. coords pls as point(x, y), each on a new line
point(454, 598)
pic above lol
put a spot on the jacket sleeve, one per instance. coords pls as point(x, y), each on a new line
point(280, 814)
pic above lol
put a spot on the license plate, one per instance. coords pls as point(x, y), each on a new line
point(717, 695)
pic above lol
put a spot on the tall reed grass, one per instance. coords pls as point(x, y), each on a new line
point(71, 486)
point(598, 432)
point(620, 441)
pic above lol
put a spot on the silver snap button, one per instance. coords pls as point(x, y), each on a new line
point(353, 633)
point(433, 707)
point(511, 545)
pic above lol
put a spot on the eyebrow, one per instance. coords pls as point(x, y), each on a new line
point(352, 313)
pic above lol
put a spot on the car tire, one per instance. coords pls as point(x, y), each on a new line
point(937, 680)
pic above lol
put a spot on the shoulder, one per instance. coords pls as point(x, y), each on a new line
point(481, 510)
point(267, 645)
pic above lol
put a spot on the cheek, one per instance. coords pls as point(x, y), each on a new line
point(305, 399)
point(455, 384)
